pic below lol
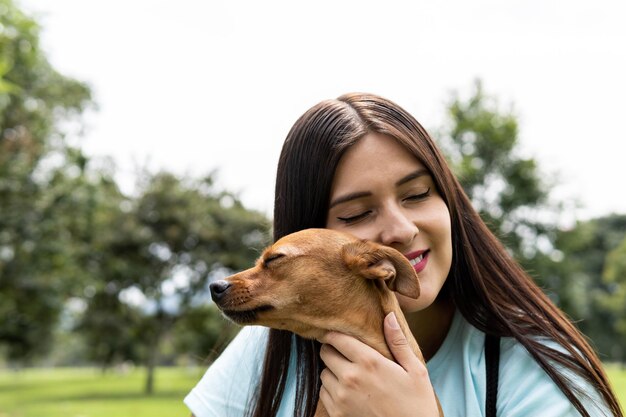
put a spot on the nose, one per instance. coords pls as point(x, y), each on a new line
point(218, 289)
point(397, 230)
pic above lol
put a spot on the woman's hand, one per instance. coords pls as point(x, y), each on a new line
point(360, 382)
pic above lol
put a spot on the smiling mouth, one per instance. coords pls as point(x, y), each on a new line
point(246, 316)
point(419, 258)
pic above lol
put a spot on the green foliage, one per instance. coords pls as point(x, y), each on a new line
point(585, 270)
point(130, 273)
point(68, 237)
point(203, 333)
point(156, 257)
point(613, 300)
point(110, 329)
point(189, 226)
point(511, 195)
point(507, 189)
point(39, 176)
point(615, 267)
point(45, 244)
point(34, 97)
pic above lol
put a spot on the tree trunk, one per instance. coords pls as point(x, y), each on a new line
point(150, 365)
point(153, 352)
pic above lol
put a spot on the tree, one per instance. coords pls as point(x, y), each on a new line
point(109, 328)
point(108, 325)
point(482, 145)
point(508, 190)
point(202, 333)
point(194, 232)
point(158, 257)
point(587, 275)
point(614, 299)
point(39, 174)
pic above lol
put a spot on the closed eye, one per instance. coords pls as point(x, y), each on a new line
point(417, 197)
point(354, 219)
point(272, 257)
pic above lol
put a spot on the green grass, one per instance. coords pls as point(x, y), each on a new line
point(76, 392)
point(617, 375)
point(90, 393)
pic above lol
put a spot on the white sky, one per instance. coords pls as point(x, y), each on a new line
point(192, 86)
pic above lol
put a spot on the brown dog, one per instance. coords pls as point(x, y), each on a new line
point(318, 280)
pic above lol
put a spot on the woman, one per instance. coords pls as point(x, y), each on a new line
point(363, 165)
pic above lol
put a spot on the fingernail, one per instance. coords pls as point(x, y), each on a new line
point(392, 321)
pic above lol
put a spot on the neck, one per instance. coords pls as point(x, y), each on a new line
point(431, 325)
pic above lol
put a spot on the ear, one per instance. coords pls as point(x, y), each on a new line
point(374, 261)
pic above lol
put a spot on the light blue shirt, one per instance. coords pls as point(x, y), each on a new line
point(457, 372)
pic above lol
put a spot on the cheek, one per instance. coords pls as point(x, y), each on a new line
point(442, 243)
point(441, 228)
point(366, 232)
point(446, 241)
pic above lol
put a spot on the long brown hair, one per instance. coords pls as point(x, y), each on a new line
point(488, 287)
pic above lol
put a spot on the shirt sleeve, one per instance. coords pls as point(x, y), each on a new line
point(225, 389)
point(525, 389)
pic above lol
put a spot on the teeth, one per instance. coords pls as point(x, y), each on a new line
point(417, 260)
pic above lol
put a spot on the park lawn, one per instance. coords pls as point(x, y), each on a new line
point(77, 392)
point(617, 375)
point(87, 392)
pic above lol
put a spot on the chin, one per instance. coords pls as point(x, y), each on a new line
point(411, 305)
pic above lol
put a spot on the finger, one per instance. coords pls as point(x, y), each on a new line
point(398, 344)
point(335, 362)
point(349, 347)
point(329, 381)
point(326, 400)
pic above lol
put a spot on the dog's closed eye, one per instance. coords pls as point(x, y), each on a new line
point(272, 257)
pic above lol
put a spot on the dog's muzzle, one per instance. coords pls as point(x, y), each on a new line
point(219, 289)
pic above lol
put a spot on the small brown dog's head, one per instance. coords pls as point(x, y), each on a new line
point(317, 280)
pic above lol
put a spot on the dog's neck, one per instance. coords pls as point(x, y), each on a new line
point(376, 338)
point(393, 306)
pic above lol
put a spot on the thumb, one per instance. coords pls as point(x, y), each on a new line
point(398, 344)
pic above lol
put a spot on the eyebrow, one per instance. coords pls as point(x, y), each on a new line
point(360, 194)
point(349, 197)
point(416, 174)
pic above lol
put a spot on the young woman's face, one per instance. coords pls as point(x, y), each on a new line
point(382, 193)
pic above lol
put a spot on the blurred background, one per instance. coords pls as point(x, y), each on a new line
point(139, 141)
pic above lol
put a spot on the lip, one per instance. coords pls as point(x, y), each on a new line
point(419, 267)
point(246, 316)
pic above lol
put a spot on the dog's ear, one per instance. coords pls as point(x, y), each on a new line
point(374, 261)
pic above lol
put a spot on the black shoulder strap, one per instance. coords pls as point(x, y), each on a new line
point(492, 362)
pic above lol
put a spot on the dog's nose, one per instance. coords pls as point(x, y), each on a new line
point(218, 289)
